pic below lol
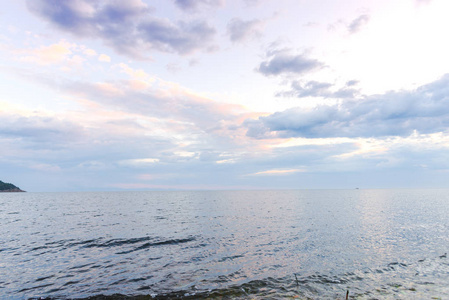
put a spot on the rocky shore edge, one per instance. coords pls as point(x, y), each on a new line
point(15, 190)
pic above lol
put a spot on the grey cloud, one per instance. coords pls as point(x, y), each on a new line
point(358, 23)
point(425, 110)
point(191, 5)
point(352, 83)
point(89, 17)
point(344, 93)
point(183, 38)
point(126, 26)
point(257, 129)
point(239, 30)
point(285, 63)
point(41, 129)
point(318, 89)
point(311, 88)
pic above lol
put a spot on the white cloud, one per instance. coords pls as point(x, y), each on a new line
point(139, 162)
point(104, 58)
point(55, 53)
point(45, 167)
point(278, 172)
point(90, 52)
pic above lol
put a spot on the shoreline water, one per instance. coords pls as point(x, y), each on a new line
point(225, 245)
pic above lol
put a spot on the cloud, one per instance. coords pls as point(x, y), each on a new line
point(144, 107)
point(352, 27)
point(286, 63)
point(138, 163)
point(166, 101)
point(117, 129)
point(424, 110)
point(126, 26)
point(45, 167)
point(358, 23)
point(183, 38)
point(104, 58)
point(239, 30)
point(44, 129)
point(142, 112)
point(253, 2)
point(82, 17)
point(89, 52)
point(320, 89)
point(352, 83)
point(311, 88)
point(182, 187)
point(51, 54)
point(277, 172)
point(192, 5)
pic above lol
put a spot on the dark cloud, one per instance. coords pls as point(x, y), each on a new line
point(285, 63)
point(425, 110)
point(239, 30)
point(192, 5)
point(126, 26)
point(358, 23)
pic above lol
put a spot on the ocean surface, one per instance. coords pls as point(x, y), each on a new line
point(298, 244)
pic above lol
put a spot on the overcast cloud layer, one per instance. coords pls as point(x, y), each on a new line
point(214, 94)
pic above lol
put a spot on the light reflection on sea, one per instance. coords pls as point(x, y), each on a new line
point(234, 244)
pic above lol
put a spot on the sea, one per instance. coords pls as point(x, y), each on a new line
point(268, 244)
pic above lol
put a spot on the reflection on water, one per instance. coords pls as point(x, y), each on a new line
point(235, 244)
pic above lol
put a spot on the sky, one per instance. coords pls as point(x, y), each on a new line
point(117, 95)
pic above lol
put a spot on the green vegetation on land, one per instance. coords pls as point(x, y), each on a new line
point(8, 187)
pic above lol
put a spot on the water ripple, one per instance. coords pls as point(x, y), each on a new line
point(231, 245)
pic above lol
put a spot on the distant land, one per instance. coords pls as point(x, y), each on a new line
point(8, 188)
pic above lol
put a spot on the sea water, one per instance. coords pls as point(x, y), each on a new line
point(304, 244)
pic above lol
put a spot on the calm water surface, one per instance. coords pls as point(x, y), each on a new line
point(378, 244)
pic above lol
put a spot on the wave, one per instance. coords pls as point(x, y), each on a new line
point(395, 280)
point(145, 243)
point(159, 243)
